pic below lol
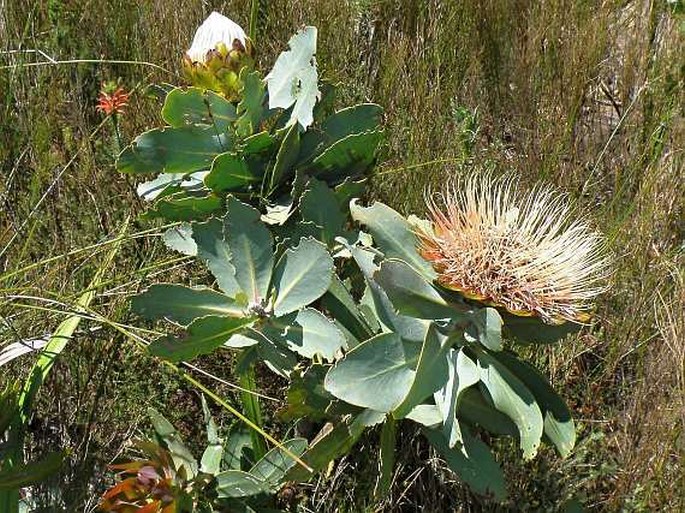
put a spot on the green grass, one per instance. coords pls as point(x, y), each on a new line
point(587, 95)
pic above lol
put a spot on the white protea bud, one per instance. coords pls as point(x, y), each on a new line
point(216, 31)
point(220, 52)
point(523, 252)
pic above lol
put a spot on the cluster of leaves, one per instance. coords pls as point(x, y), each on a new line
point(326, 292)
point(257, 149)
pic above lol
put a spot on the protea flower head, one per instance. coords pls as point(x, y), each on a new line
point(524, 252)
point(219, 51)
point(113, 99)
point(147, 486)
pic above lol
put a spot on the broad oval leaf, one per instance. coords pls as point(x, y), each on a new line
point(478, 410)
point(463, 373)
point(308, 333)
point(192, 105)
point(489, 325)
point(168, 183)
point(303, 274)
point(377, 374)
point(411, 294)
point(338, 301)
point(230, 172)
point(251, 247)
point(559, 426)
point(511, 396)
point(251, 106)
point(180, 238)
point(184, 206)
point(183, 304)
point(173, 150)
point(319, 205)
point(426, 414)
point(381, 309)
point(204, 335)
point(350, 156)
point(240, 340)
point(213, 249)
point(360, 118)
point(533, 330)
point(275, 354)
point(431, 372)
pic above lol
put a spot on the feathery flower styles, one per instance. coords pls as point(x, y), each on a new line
point(519, 251)
point(218, 53)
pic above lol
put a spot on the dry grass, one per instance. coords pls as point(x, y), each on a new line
point(588, 95)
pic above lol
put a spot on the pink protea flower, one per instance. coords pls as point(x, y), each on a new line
point(520, 251)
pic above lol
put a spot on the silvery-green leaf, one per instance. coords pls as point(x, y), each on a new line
point(203, 336)
point(183, 304)
point(180, 238)
point(286, 156)
point(251, 106)
point(426, 414)
point(478, 410)
point(240, 340)
point(172, 438)
point(251, 249)
point(278, 213)
point(511, 396)
point(376, 304)
point(236, 483)
point(293, 79)
point(533, 330)
point(213, 249)
point(411, 294)
point(230, 172)
point(319, 205)
point(275, 464)
point(275, 354)
point(489, 327)
point(339, 302)
point(308, 333)
point(192, 105)
point(151, 190)
point(377, 374)
point(393, 235)
point(559, 427)
point(430, 374)
point(182, 150)
point(302, 275)
point(463, 373)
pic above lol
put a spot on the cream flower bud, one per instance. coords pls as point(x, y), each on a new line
point(215, 30)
